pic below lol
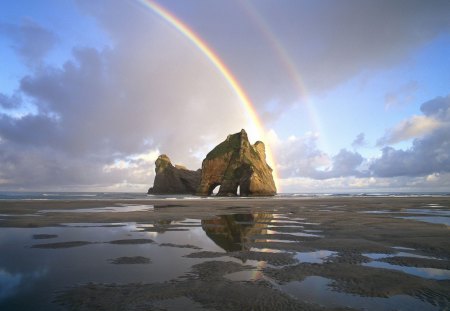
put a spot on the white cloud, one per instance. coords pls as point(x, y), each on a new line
point(429, 153)
point(414, 127)
point(367, 184)
point(435, 177)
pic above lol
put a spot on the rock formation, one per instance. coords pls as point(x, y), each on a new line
point(236, 163)
point(233, 164)
point(176, 179)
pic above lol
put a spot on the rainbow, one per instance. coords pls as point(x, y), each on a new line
point(222, 68)
point(286, 62)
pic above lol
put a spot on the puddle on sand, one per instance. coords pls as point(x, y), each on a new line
point(376, 212)
point(316, 289)
point(95, 224)
point(112, 209)
point(314, 257)
point(434, 216)
point(30, 276)
point(443, 220)
point(376, 256)
point(252, 275)
point(436, 212)
point(404, 248)
point(301, 234)
point(426, 273)
point(273, 241)
point(266, 250)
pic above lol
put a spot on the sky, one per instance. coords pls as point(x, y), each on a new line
point(352, 96)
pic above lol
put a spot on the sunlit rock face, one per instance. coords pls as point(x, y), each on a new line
point(176, 179)
point(236, 163)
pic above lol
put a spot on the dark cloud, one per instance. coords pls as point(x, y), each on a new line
point(103, 112)
point(428, 154)
point(278, 50)
point(359, 141)
point(30, 130)
point(345, 163)
point(438, 107)
point(10, 102)
point(45, 169)
point(30, 40)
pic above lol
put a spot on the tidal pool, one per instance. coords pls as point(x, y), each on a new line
point(319, 289)
point(37, 264)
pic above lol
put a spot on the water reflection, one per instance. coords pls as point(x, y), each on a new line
point(316, 288)
point(233, 232)
point(428, 273)
point(11, 283)
point(167, 258)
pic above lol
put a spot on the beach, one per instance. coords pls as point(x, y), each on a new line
point(296, 253)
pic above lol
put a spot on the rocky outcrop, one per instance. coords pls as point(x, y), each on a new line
point(236, 163)
point(176, 179)
point(237, 166)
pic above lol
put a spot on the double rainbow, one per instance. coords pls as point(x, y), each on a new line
point(222, 68)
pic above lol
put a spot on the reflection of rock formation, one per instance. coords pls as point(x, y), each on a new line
point(231, 232)
point(176, 179)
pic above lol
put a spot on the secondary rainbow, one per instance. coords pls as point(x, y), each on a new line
point(286, 62)
point(221, 67)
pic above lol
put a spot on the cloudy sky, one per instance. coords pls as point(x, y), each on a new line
point(353, 95)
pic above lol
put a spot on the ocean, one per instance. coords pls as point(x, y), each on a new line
point(16, 195)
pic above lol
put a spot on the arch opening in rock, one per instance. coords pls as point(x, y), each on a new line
point(214, 189)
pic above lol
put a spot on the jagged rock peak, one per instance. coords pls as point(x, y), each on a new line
point(176, 179)
point(161, 163)
point(235, 163)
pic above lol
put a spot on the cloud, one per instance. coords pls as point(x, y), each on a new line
point(10, 102)
point(30, 40)
point(300, 160)
point(429, 154)
point(402, 95)
point(345, 163)
point(300, 157)
point(367, 184)
point(150, 90)
point(321, 43)
point(414, 127)
point(99, 116)
point(359, 141)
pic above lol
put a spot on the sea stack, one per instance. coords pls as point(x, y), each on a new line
point(176, 179)
point(233, 164)
point(236, 163)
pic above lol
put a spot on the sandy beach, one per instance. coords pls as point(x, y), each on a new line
point(337, 253)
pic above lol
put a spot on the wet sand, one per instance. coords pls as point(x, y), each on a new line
point(345, 240)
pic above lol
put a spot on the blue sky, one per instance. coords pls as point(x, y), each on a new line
point(91, 92)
